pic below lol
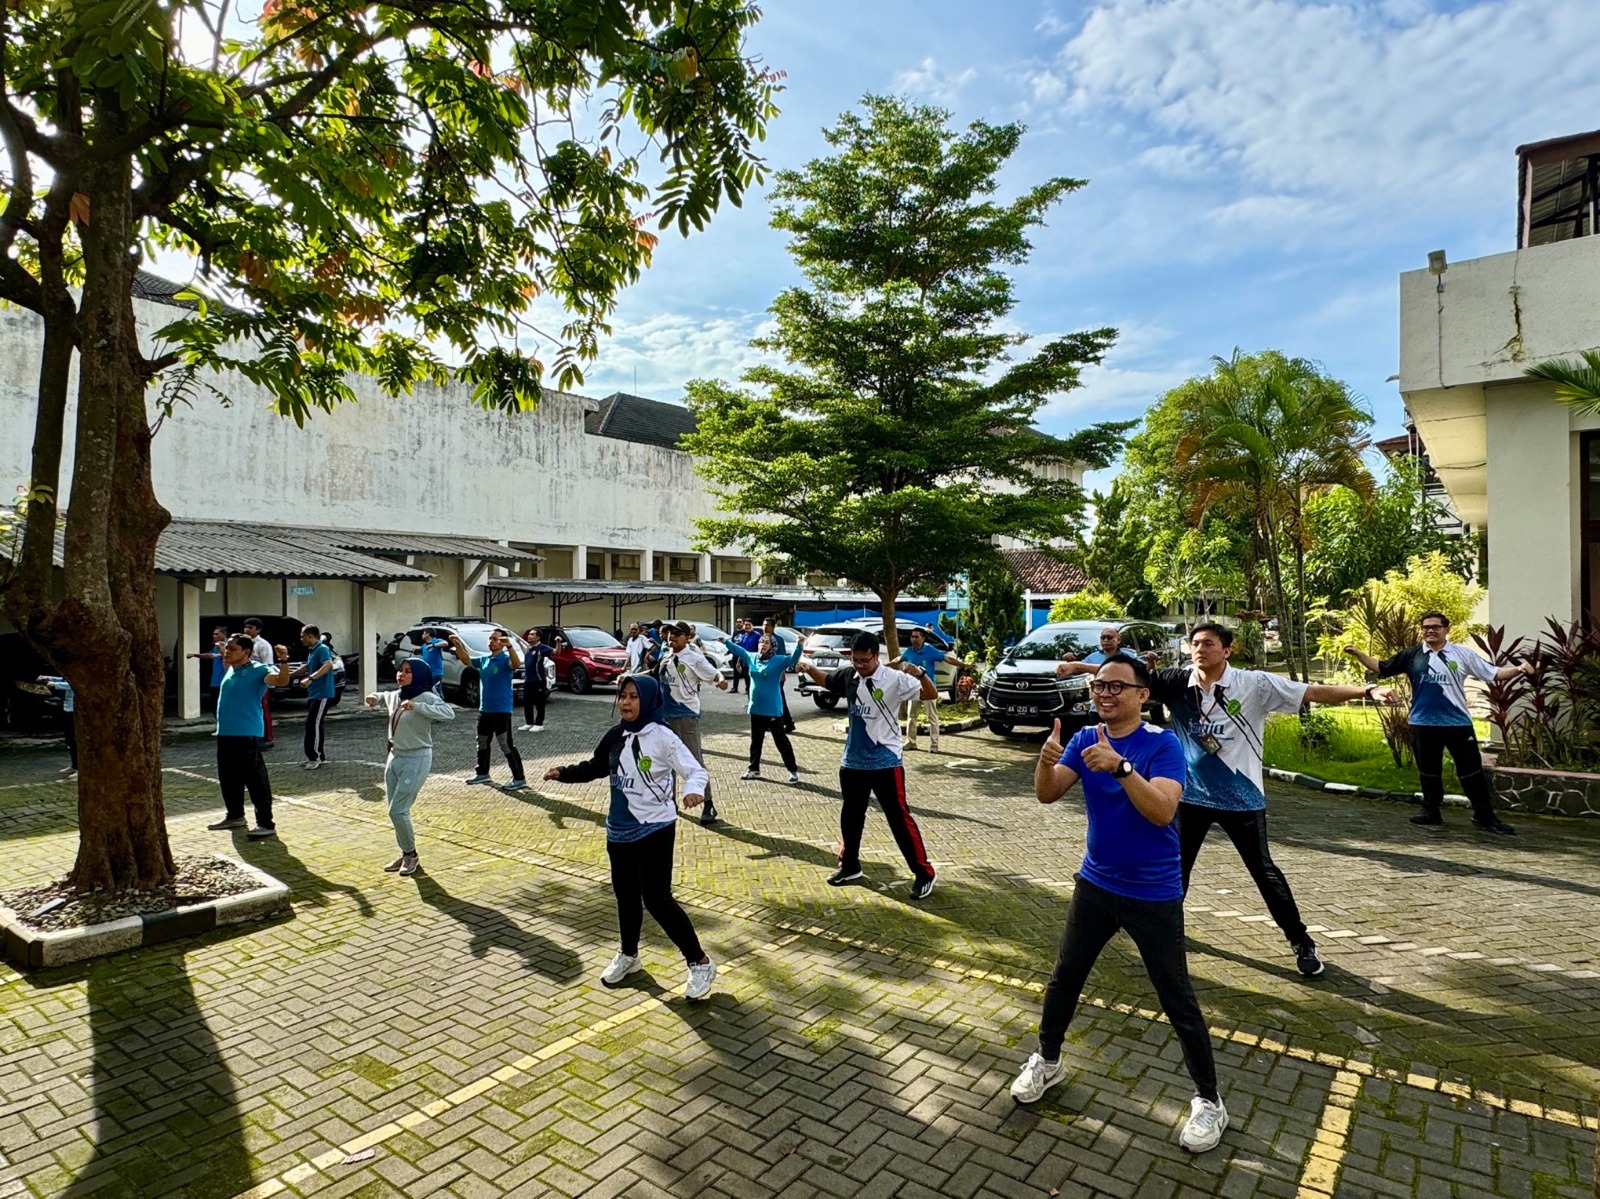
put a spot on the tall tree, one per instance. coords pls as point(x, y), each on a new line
point(895, 443)
point(1267, 431)
point(362, 183)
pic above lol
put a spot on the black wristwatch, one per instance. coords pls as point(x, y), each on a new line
point(1124, 769)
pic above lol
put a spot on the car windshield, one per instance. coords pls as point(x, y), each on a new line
point(1051, 641)
point(830, 639)
point(708, 632)
point(592, 639)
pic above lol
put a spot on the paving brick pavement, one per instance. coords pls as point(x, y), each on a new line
point(449, 1024)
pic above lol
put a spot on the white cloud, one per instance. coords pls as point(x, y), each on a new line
point(930, 81)
point(1358, 106)
point(669, 348)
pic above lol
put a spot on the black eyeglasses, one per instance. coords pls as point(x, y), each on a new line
point(1434, 628)
point(1110, 686)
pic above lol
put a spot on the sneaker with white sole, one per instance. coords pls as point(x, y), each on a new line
point(1206, 1123)
point(312, 765)
point(477, 779)
point(842, 876)
point(228, 822)
point(535, 728)
point(261, 834)
point(621, 966)
point(921, 888)
point(701, 975)
point(524, 728)
point(1037, 1077)
point(1307, 960)
point(752, 773)
point(395, 865)
point(516, 785)
point(409, 865)
point(794, 776)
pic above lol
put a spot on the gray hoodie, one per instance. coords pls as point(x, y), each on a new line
point(410, 731)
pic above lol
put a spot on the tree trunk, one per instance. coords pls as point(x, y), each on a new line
point(1285, 617)
point(891, 632)
point(104, 632)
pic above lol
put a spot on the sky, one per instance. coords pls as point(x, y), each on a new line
point(1259, 173)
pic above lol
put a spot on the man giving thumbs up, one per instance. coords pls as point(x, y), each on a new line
point(1131, 879)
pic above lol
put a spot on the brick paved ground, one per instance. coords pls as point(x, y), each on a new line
point(450, 1025)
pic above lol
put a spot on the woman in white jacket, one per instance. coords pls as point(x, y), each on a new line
point(412, 711)
point(641, 756)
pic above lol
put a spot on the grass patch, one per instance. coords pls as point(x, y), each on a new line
point(1355, 751)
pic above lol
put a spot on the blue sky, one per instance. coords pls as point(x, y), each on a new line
point(1260, 171)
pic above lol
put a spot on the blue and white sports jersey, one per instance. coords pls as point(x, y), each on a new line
point(1227, 719)
point(1438, 678)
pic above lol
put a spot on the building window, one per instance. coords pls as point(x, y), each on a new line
point(595, 566)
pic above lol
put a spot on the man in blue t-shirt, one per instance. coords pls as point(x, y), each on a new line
point(320, 687)
point(922, 652)
point(496, 697)
point(1110, 646)
point(1440, 719)
point(432, 655)
point(1131, 879)
point(240, 725)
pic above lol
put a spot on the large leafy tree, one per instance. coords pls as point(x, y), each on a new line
point(895, 442)
point(1267, 431)
point(366, 185)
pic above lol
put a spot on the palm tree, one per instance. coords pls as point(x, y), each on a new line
point(1267, 430)
point(1576, 385)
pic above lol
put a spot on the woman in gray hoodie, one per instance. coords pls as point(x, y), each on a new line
point(412, 711)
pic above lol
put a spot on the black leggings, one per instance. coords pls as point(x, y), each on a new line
point(641, 877)
point(1156, 926)
point(1428, 745)
point(69, 732)
point(1248, 832)
point(497, 726)
point(533, 701)
point(760, 726)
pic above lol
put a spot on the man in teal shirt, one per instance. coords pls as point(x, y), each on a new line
point(496, 694)
point(320, 692)
point(240, 725)
point(923, 653)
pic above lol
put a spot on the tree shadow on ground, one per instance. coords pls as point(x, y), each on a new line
point(493, 929)
point(166, 1116)
point(305, 884)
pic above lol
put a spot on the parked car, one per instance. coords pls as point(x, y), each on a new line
point(828, 648)
point(585, 655)
point(460, 680)
point(278, 630)
point(1023, 688)
point(27, 704)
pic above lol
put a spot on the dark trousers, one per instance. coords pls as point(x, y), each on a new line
point(316, 743)
point(1428, 745)
point(1248, 832)
point(496, 726)
point(760, 726)
point(740, 671)
point(641, 877)
point(69, 733)
point(533, 702)
point(241, 768)
point(266, 714)
point(788, 720)
point(1156, 926)
point(856, 789)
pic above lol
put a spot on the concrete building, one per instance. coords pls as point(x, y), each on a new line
point(1517, 463)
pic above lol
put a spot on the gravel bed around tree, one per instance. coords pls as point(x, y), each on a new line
point(198, 880)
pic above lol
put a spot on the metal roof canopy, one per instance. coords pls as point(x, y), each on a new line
point(437, 545)
point(622, 592)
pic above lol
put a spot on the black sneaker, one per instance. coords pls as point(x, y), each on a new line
point(261, 834)
point(1427, 818)
point(1495, 825)
point(921, 888)
point(228, 822)
point(843, 875)
point(708, 814)
point(1307, 959)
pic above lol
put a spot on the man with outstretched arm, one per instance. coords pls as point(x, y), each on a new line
point(872, 764)
point(1131, 879)
point(240, 724)
point(681, 671)
point(1219, 715)
point(496, 697)
point(1439, 717)
point(925, 654)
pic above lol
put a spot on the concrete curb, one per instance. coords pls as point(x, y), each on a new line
point(1312, 783)
point(30, 948)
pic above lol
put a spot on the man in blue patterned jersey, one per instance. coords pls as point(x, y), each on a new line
point(1439, 717)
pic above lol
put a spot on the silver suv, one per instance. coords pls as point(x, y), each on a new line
point(828, 648)
point(460, 680)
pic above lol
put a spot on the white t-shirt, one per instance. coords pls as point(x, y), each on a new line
point(872, 738)
point(682, 672)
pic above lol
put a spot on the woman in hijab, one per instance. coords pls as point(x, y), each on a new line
point(641, 756)
point(412, 711)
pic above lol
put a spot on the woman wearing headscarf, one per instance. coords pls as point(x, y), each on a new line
point(412, 711)
point(641, 756)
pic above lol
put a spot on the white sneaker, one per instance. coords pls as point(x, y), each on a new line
point(1206, 1123)
point(524, 728)
point(701, 975)
point(794, 776)
point(621, 966)
point(752, 773)
point(1037, 1077)
point(534, 728)
point(313, 765)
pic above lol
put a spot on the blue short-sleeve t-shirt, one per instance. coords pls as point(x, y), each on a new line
point(319, 656)
point(494, 682)
point(218, 667)
point(1099, 656)
point(1127, 854)
point(928, 657)
point(239, 701)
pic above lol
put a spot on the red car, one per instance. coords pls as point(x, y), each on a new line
point(585, 655)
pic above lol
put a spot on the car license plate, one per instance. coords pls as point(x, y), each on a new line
point(1024, 709)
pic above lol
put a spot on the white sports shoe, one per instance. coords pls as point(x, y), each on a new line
point(621, 966)
point(535, 728)
point(1206, 1123)
point(701, 975)
point(524, 728)
point(1037, 1077)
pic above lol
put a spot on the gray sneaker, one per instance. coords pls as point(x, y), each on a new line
point(395, 865)
point(621, 966)
point(516, 785)
point(1037, 1077)
point(701, 976)
point(408, 865)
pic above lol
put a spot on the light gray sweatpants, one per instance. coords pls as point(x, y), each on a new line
point(403, 777)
